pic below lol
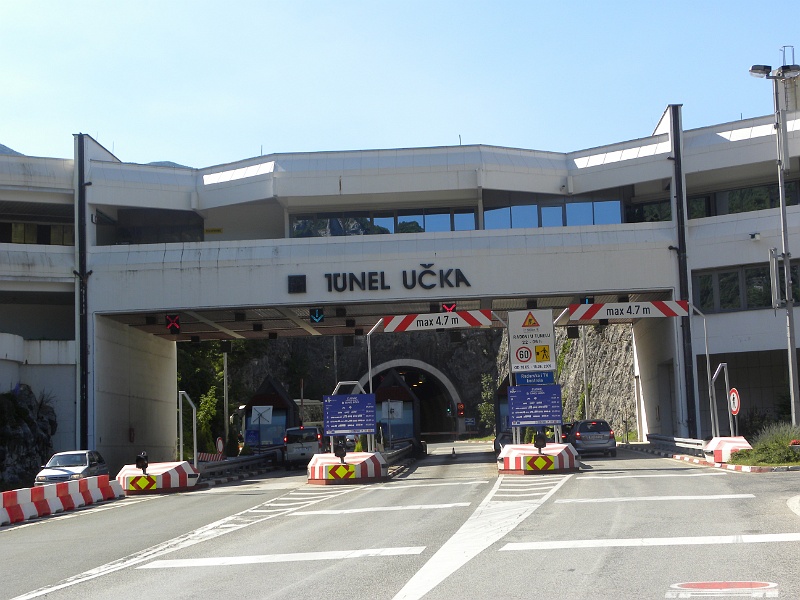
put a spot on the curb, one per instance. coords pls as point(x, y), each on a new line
point(704, 463)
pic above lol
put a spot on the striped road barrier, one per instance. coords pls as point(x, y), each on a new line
point(160, 478)
point(525, 459)
point(358, 467)
point(30, 503)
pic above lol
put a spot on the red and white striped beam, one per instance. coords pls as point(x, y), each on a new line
point(446, 320)
point(629, 310)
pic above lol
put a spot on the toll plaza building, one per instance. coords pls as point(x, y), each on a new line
point(97, 252)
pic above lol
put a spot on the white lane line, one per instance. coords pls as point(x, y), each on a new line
point(403, 486)
point(794, 505)
point(648, 542)
point(652, 498)
point(603, 477)
point(520, 495)
point(224, 561)
point(207, 532)
point(352, 511)
point(489, 523)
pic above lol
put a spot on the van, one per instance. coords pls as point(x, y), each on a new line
point(300, 444)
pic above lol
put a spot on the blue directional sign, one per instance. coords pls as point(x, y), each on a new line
point(535, 377)
point(535, 405)
point(316, 315)
point(343, 414)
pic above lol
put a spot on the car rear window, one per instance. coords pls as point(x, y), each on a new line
point(301, 435)
point(598, 426)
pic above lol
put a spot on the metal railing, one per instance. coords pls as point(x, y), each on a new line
point(695, 447)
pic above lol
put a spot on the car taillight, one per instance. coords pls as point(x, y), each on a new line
point(578, 434)
point(284, 440)
point(611, 434)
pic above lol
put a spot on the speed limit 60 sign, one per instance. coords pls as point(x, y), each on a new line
point(735, 401)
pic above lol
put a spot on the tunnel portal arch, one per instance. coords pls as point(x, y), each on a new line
point(455, 398)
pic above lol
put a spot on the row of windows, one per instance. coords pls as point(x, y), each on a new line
point(35, 233)
point(759, 197)
point(737, 288)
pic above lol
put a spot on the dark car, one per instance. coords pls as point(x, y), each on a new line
point(593, 436)
point(565, 429)
point(68, 466)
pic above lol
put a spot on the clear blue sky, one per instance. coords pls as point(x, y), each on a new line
point(203, 83)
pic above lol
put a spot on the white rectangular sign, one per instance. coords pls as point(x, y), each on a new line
point(392, 409)
point(262, 415)
point(531, 341)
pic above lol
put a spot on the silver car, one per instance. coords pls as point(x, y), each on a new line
point(68, 466)
point(593, 435)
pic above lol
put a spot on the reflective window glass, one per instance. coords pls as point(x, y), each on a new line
point(579, 213)
point(607, 212)
point(410, 223)
point(552, 216)
point(382, 223)
point(497, 218)
point(729, 293)
point(703, 290)
point(524, 215)
point(464, 220)
point(437, 221)
point(757, 286)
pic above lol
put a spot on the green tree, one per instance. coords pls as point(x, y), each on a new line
point(486, 409)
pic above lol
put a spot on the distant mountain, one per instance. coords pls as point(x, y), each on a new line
point(7, 150)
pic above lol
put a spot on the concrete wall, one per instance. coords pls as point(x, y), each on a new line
point(135, 399)
point(658, 371)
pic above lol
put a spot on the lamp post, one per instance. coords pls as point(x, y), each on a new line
point(782, 74)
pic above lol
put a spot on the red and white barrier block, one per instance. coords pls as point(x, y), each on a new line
point(161, 478)
point(722, 447)
point(30, 503)
point(358, 467)
point(524, 459)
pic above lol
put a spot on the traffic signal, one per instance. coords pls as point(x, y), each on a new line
point(460, 409)
point(448, 307)
point(449, 410)
point(174, 324)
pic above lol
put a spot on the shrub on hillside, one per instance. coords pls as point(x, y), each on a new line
point(770, 446)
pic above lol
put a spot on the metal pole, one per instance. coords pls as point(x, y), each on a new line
point(369, 351)
point(783, 166)
point(225, 393)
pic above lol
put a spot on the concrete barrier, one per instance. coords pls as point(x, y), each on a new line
point(720, 448)
point(30, 503)
point(161, 478)
point(525, 459)
point(358, 467)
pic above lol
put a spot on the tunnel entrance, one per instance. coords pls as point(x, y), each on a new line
point(429, 400)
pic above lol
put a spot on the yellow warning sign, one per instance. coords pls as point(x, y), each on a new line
point(542, 353)
point(530, 321)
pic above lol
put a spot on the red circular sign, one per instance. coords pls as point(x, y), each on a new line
point(524, 354)
point(735, 401)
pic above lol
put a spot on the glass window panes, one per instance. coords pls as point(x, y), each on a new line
point(524, 215)
point(607, 212)
point(579, 213)
point(729, 293)
point(497, 218)
point(437, 221)
point(552, 216)
point(757, 287)
point(703, 290)
point(464, 219)
point(382, 223)
point(410, 223)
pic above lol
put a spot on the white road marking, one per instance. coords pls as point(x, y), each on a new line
point(352, 511)
point(651, 542)
point(603, 477)
point(224, 561)
point(794, 505)
point(212, 530)
point(489, 523)
point(653, 498)
point(404, 486)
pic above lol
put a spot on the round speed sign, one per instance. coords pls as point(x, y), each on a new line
point(734, 401)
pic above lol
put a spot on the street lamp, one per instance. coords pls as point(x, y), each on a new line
point(782, 74)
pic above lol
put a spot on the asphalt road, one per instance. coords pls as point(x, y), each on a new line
point(635, 526)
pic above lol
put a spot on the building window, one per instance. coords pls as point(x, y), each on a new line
point(734, 288)
point(740, 200)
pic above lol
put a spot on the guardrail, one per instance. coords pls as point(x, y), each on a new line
point(693, 446)
point(269, 457)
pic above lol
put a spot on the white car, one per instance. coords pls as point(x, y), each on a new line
point(68, 466)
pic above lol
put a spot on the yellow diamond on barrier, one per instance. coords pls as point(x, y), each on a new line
point(542, 462)
point(341, 472)
point(142, 483)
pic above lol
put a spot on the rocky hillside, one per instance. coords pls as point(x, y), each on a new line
point(27, 424)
